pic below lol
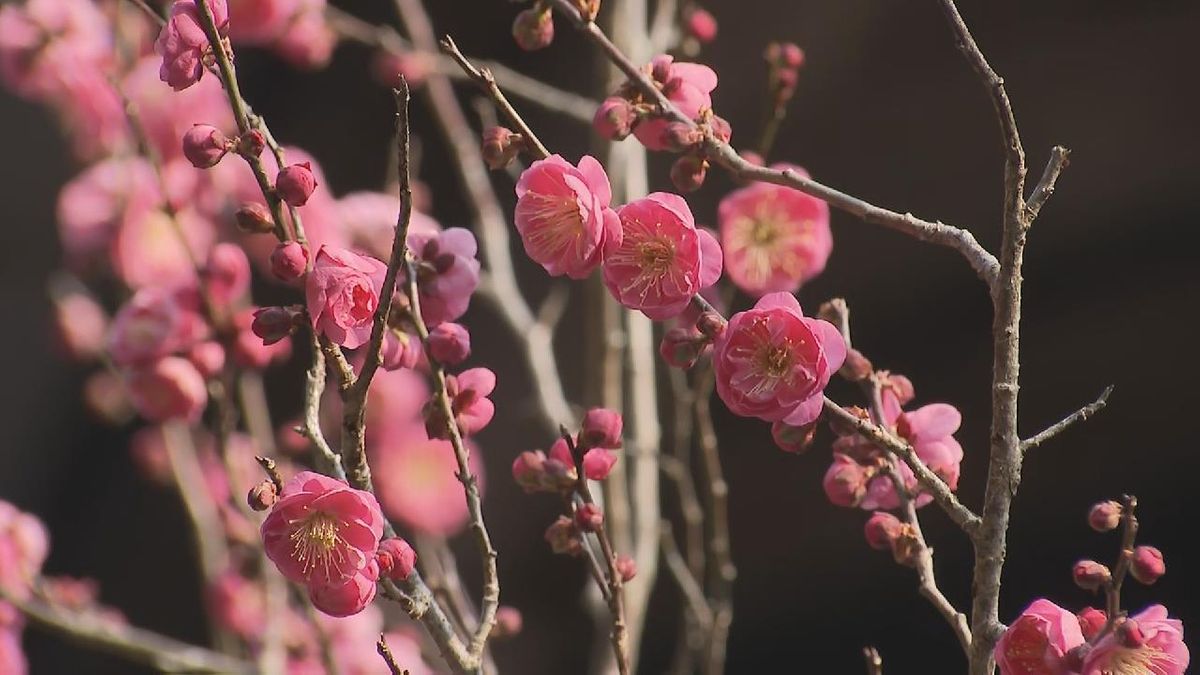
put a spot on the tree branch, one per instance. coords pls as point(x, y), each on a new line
point(1059, 159)
point(1081, 415)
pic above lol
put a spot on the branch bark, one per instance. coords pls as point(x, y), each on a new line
point(1081, 415)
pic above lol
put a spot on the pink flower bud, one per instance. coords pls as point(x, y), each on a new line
point(508, 622)
point(273, 324)
point(701, 25)
point(785, 55)
point(721, 129)
point(711, 324)
point(598, 463)
point(295, 184)
point(856, 367)
point(1105, 516)
point(1147, 564)
point(533, 28)
point(400, 350)
point(1091, 575)
point(254, 218)
point(626, 567)
point(251, 143)
point(170, 388)
point(249, 349)
point(681, 347)
point(601, 428)
point(262, 496)
point(614, 118)
point(227, 272)
point(204, 145)
point(529, 470)
point(1092, 621)
point(289, 261)
point(564, 537)
point(500, 147)
point(882, 530)
point(681, 136)
point(845, 482)
point(793, 439)
point(589, 517)
point(449, 343)
point(900, 386)
point(688, 173)
point(396, 558)
point(208, 357)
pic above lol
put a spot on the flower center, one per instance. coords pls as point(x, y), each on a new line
point(764, 232)
point(1143, 660)
point(557, 222)
point(774, 361)
point(655, 256)
point(317, 542)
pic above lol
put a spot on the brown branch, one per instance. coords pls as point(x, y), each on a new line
point(961, 240)
point(130, 643)
point(1081, 415)
point(1112, 591)
point(721, 570)
point(1059, 159)
point(689, 586)
point(382, 647)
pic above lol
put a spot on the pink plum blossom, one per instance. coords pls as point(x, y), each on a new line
point(323, 533)
point(1157, 649)
point(237, 604)
point(148, 248)
point(80, 324)
point(473, 410)
point(183, 45)
point(92, 204)
point(24, 545)
point(775, 238)
point(342, 292)
point(42, 40)
point(773, 363)
point(155, 322)
point(227, 273)
point(663, 259)
point(260, 22)
point(688, 85)
point(348, 597)
point(447, 273)
point(416, 480)
point(308, 40)
point(167, 115)
point(168, 389)
point(563, 215)
point(1038, 641)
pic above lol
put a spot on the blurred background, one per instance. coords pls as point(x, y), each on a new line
point(887, 110)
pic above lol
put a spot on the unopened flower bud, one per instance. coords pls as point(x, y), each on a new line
point(681, 347)
point(901, 386)
point(564, 537)
point(701, 25)
point(400, 350)
point(262, 496)
point(1105, 516)
point(1147, 564)
point(589, 517)
point(626, 567)
point(289, 261)
point(273, 324)
point(529, 469)
point(396, 559)
point(711, 324)
point(296, 183)
point(601, 428)
point(598, 463)
point(614, 118)
point(793, 439)
point(845, 482)
point(1092, 621)
point(204, 145)
point(208, 357)
point(508, 622)
point(254, 218)
point(881, 530)
point(501, 146)
point(856, 367)
point(1130, 634)
point(721, 129)
point(1091, 575)
point(449, 343)
point(906, 546)
point(681, 136)
point(688, 173)
point(251, 143)
point(533, 28)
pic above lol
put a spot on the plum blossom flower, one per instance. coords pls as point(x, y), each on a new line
point(688, 85)
point(775, 238)
point(153, 323)
point(323, 533)
point(342, 292)
point(40, 40)
point(169, 388)
point(416, 480)
point(183, 45)
point(447, 272)
point(663, 259)
point(563, 215)
point(773, 363)
point(473, 410)
point(1157, 648)
point(24, 545)
point(349, 597)
point(1038, 641)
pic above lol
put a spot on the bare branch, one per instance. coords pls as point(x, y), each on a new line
point(688, 585)
point(382, 647)
point(1059, 160)
point(1081, 415)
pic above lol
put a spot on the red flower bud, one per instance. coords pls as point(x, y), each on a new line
point(681, 136)
point(626, 567)
point(1092, 621)
point(614, 118)
point(289, 261)
point(449, 343)
point(589, 517)
point(1147, 564)
point(856, 367)
point(681, 347)
point(204, 145)
point(1091, 575)
point(598, 463)
point(508, 622)
point(396, 559)
point(533, 28)
point(208, 357)
point(845, 482)
point(296, 183)
point(564, 537)
point(882, 530)
point(793, 439)
point(273, 324)
point(688, 173)
point(262, 496)
point(500, 147)
point(1105, 516)
point(400, 350)
point(254, 218)
point(251, 143)
point(702, 25)
point(601, 428)
point(529, 470)
point(721, 129)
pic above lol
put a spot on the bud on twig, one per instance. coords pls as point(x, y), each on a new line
point(1105, 516)
point(254, 218)
point(1147, 564)
point(533, 28)
point(262, 496)
point(1091, 575)
point(500, 147)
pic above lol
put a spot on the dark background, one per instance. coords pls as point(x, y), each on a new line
point(887, 110)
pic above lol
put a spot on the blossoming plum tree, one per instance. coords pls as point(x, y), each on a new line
point(185, 196)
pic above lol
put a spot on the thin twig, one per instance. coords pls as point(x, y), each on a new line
point(959, 239)
point(721, 570)
point(688, 585)
point(382, 647)
point(1112, 591)
point(1059, 159)
point(1081, 415)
